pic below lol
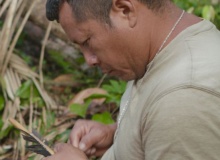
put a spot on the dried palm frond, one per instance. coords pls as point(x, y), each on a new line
point(40, 145)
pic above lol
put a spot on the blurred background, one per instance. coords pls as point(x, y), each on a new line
point(44, 81)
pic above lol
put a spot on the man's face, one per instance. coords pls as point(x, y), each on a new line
point(110, 48)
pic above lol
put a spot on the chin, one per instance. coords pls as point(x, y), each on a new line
point(125, 76)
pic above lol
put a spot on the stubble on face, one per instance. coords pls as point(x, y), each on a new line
point(110, 44)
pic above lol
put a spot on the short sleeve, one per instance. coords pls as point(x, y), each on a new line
point(183, 125)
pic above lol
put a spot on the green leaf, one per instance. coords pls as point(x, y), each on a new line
point(1, 123)
point(4, 133)
point(27, 90)
point(208, 12)
point(115, 90)
point(104, 118)
point(2, 102)
point(63, 137)
point(97, 96)
point(31, 158)
point(115, 87)
point(24, 90)
point(39, 101)
point(79, 109)
point(50, 119)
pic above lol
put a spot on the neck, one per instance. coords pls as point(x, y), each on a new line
point(163, 24)
point(161, 28)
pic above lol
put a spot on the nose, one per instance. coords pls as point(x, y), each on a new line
point(91, 58)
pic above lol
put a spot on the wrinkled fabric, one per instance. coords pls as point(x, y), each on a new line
point(174, 111)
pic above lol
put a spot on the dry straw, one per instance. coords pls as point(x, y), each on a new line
point(14, 70)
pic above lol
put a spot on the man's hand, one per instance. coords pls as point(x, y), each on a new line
point(92, 137)
point(67, 152)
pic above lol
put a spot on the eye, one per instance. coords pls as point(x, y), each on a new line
point(86, 43)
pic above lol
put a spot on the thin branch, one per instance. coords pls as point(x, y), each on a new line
point(31, 110)
point(4, 7)
point(43, 51)
point(101, 80)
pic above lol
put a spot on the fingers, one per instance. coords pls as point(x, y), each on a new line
point(91, 151)
point(58, 148)
point(96, 152)
point(66, 151)
point(85, 134)
point(78, 131)
point(90, 139)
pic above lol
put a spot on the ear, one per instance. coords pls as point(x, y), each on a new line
point(126, 9)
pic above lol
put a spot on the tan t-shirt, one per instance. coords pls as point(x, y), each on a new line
point(174, 111)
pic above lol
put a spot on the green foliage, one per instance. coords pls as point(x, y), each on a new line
point(21, 39)
point(208, 12)
point(56, 62)
point(1, 24)
point(57, 58)
point(64, 136)
point(62, 66)
point(24, 56)
point(4, 133)
point(80, 109)
point(206, 9)
point(2, 102)
point(28, 92)
point(50, 120)
point(105, 118)
point(31, 158)
point(115, 90)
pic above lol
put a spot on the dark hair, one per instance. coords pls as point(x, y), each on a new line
point(98, 9)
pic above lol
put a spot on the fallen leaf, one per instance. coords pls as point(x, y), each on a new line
point(82, 95)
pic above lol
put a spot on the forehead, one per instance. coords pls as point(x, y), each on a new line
point(69, 23)
point(77, 30)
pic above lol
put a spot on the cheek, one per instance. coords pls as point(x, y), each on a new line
point(109, 49)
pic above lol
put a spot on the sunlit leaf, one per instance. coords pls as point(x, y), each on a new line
point(79, 109)
point(115, 86)
point(208, 12)
point(24, 90)
point(28, 91)
point(80, 97)
point(104, 118)
point(115, 90)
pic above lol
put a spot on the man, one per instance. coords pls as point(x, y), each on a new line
point(171, 107)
